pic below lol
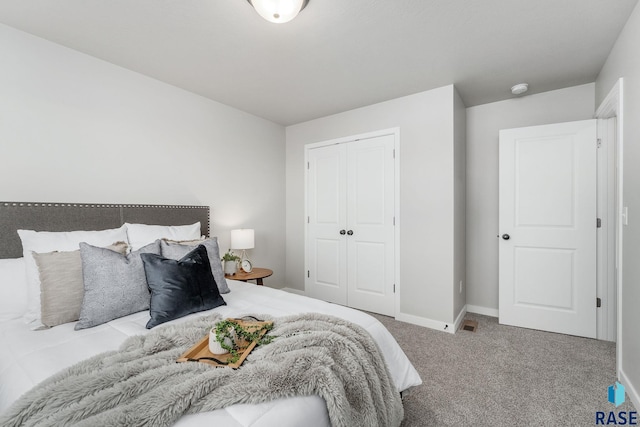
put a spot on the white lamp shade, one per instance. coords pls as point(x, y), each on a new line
point(278, 11)
point(242, 238)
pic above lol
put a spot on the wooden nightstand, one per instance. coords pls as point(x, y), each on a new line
point(256, 274)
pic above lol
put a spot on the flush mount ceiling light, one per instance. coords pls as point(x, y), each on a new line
point(520, 88)
point(278, 11)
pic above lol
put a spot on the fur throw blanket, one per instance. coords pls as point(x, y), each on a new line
point(141, 385)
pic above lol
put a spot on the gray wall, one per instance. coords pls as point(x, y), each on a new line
point(459, 211)
point(624, 61)
point(78, 129)
point(483, 124)
point(426, 122)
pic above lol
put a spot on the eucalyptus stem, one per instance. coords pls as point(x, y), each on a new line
point(223, 330)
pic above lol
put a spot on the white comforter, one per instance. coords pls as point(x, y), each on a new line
point(28, 357)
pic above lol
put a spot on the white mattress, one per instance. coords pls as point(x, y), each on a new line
point(28, 357)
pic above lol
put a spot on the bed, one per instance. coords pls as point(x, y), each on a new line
point(28, 357)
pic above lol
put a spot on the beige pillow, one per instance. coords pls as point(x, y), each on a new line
point(61, 284)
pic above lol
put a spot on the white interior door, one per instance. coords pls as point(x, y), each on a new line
point(327, 217)
point(547, 225)
point(350, 223)
point(370, 212)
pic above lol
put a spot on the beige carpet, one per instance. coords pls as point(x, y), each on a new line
point(505, 376)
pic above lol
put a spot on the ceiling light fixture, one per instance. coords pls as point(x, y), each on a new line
point(520, 88)
point(278, 11)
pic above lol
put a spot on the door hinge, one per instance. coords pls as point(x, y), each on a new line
point(394, 288)
point(308, 274)
point(308, 220)
point(598, 223)
point(307, 165)
point(394, 153)
point(598, 302)
point(599, 142)
point(394, 220)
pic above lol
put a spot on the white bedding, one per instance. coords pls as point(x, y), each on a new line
point(28, 357)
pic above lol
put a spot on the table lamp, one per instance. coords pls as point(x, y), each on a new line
point(242, 238)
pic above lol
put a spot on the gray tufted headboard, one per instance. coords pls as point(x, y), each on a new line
point(84, 216)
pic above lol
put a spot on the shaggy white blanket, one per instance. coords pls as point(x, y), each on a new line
point(141, 385)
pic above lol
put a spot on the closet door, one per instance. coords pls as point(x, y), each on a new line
point(327, 218)
point(350, 225)
point(370, 221)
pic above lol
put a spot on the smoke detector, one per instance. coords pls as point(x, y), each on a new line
point(520, 88)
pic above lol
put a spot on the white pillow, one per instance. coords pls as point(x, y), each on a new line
point(141, 235)
point(49, 241)
point(13, 289)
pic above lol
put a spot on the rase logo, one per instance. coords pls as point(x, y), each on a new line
point(616, 397)
point(616, 394)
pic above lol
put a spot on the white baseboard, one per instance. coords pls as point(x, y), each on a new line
point(294, 291)
point(460, 318)
point(427, 323)
point(630, 389)
point(477, 309)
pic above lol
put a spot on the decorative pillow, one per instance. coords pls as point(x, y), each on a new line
point(47, 241)
point(61, 285)
point(180, 287)
point(143, 234)
point(176, 250)
point(114, 284)
point(13, 289)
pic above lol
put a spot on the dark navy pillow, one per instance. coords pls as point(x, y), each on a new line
point(180, 287)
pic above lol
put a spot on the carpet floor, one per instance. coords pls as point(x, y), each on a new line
point(505, 376)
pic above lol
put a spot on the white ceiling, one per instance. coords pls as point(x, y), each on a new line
point(337, 54)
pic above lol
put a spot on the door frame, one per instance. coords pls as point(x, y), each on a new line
point(612, 106)
point(606, 233)
point(396, 207)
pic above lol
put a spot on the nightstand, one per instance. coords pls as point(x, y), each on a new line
point(256, 274)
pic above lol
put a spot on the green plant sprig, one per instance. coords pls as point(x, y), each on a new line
point(230, 256)
point(223, 329)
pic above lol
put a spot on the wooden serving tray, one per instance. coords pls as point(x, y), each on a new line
point(200, 352)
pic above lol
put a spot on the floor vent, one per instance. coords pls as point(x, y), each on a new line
point(469, 325)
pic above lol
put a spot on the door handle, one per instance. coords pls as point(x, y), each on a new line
point(350, 232)
point(343, 232)
point(506, 236)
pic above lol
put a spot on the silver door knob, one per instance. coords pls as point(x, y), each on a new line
point(350, 232)
point(343, 232)
point(506, 236)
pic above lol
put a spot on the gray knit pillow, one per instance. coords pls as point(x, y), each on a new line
point(114, 285)
point(176, 250)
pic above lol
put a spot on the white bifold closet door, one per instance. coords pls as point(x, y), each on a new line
point(350, 224)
